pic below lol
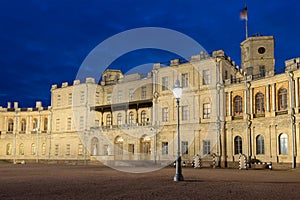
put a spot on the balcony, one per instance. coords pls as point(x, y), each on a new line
point(281, 112)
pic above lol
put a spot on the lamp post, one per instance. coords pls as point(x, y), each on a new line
point(177, 92)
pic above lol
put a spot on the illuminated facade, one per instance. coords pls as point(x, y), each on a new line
point(224, 111)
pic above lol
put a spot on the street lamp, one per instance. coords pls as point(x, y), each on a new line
point(177, 92)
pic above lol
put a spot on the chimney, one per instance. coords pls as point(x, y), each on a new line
point(8, 105)
point(16, 104)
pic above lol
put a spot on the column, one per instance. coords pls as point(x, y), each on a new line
point(296, 92)
point(251, 100)
point(229, 103)
point(273, 98)
point(267, 98)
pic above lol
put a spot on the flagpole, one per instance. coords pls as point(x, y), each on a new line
point(246, 21)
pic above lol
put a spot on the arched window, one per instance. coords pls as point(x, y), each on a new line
point(260, 103)
point(23, 125)
point(108, 120)
point(8, 149)
point(260, 144)
point(283, 143)
point(238, 105)
point(282, 99)
point(35, 125)
point(10, 126)
point(238, 148)
point(131, 118)
point(45, 124)
point(143, 117)
point(119, 119)
point(21, 149)
point(33, 149)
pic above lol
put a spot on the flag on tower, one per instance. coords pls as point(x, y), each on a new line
point(244, 13)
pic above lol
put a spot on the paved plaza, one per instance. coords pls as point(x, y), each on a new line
point(99, 182)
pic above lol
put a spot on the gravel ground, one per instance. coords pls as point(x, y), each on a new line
point(99, 182)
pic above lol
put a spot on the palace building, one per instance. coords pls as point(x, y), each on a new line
point(225, 111)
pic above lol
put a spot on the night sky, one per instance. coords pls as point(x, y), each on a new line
point(44, 42)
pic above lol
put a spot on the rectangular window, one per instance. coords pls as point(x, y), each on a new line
point(262, 71)
point(108, 98)
point(165, 83)
point(165, 114)
point(206, 111)
point(82, 97)
point(69, 123)
point(81, 123)
point(165, 148)
point(131, 94)
point(57, 124)
point(70, 99)
point(119, 97)
point(184, 147)
point(249, 71)
point(185, 80)
point(185, 113)
point(56, 149)
point(143, 93)
point(80, 149)
point(206, 147)
point(97, 97)
point(206, 77)
point(68, 149)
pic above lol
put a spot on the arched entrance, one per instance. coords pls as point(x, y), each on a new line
point(145, 147)
point(118, 148)
point(95, 146)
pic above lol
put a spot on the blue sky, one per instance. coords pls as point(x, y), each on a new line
point(44, 42)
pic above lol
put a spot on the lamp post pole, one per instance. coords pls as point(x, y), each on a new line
point(177, 91)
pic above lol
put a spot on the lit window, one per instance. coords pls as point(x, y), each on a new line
point(108, 120)
point(206, 111)
point(131, 118)
point(21, 149)
point(238, 145)
point(33, 149)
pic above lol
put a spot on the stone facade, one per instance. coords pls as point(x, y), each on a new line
point(225, 111)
